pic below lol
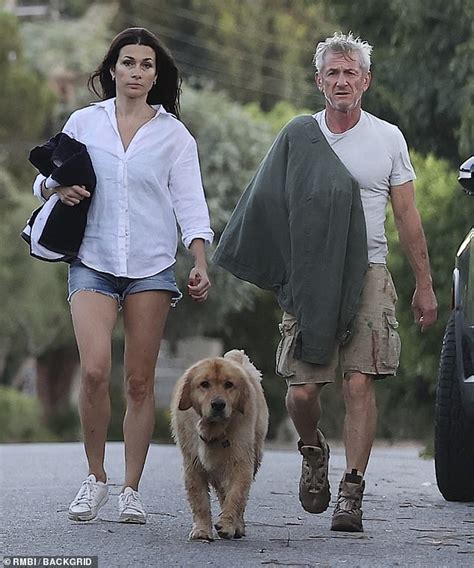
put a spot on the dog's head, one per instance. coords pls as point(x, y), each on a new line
point(215, 388)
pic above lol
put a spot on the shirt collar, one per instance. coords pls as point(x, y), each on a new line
point(109, 105)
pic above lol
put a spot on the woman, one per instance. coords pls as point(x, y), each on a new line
point(148, 176)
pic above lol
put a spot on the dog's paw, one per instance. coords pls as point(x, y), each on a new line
point(201, 534)
point(240, 529)
point(227, 528)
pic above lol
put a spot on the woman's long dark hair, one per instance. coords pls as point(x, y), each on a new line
point(167, 89)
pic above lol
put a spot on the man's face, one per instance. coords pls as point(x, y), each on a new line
point(342, 81)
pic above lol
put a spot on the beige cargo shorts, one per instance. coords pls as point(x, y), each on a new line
point(374, 348)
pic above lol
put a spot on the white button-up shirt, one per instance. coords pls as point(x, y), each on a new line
point(131, 224)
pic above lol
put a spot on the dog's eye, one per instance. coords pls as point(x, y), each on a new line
point(228, 384)
point(205, 384)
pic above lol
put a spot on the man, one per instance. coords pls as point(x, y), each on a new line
point(364, 342)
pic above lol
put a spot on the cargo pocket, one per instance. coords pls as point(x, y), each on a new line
point(392, 343)
point(285, 348)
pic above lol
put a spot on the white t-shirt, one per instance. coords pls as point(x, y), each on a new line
point(140, 193)
point(376, 155)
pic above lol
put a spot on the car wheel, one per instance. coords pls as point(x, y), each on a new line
point(454, 433)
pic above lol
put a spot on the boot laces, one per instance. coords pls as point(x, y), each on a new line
point(314, 472)
point(349, 502)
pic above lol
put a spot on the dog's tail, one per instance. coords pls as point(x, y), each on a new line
point(240, 357)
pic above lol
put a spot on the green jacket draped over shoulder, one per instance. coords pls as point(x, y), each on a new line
point(299, 230)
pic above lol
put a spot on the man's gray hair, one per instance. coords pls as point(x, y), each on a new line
point(341, 43)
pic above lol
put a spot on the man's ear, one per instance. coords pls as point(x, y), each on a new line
point(318, 81)
point(367, 80)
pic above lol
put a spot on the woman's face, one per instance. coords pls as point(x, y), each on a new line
point(135, 71)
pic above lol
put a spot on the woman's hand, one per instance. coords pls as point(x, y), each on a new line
point(198, 284)
point(72, 195)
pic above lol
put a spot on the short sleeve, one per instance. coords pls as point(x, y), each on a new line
point(402, 169)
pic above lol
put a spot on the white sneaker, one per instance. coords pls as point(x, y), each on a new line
point(130, 507)
point(90, 498)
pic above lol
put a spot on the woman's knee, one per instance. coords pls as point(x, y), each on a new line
point(138, 387)
point(95, 379)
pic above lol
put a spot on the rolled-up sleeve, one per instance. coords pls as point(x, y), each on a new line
point(70, 130)
point(187, 194)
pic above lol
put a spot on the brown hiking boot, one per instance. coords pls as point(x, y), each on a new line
point(347, 515)
point(314, 483)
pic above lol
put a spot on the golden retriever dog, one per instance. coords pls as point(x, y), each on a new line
point(219, 419)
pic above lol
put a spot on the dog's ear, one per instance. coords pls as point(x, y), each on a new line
point(185, 397)
point(243, 398)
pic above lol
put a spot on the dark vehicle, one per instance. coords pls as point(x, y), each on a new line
point(454, 413)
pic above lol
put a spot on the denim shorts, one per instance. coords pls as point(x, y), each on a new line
point(82, 277)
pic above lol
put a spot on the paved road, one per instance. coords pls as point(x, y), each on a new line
point(407, 523)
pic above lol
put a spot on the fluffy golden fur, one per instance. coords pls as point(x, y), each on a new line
point(219, 420)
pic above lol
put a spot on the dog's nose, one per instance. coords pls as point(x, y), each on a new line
point(218, 404)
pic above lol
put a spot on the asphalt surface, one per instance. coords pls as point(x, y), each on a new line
point(406, 520)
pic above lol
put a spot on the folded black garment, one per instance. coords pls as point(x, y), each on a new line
point(61, 229)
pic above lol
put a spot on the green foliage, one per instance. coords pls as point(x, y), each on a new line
point(162, 430)
point(278, 116)
point(447, 216)
point(21, 418)
point(64, 423)
point(34, 311)
point(25, 99)
point(10, 44)
point(69, 46)
point(75, 8)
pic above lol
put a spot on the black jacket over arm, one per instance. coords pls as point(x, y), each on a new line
point(68, 162)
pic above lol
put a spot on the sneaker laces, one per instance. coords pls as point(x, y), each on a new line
point(131, 500)
point(86, 493)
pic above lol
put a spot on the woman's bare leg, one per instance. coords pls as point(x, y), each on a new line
point(94, 316)
point(144, 316)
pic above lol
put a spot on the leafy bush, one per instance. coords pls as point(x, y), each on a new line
point(21, 418)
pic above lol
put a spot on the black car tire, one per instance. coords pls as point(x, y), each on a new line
point(454, 433)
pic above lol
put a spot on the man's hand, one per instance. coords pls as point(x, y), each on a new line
point(425, 307)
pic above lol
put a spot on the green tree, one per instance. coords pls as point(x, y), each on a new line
point(34, 315)
point(25, 99)
point(447, 216)
point(66, 63)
